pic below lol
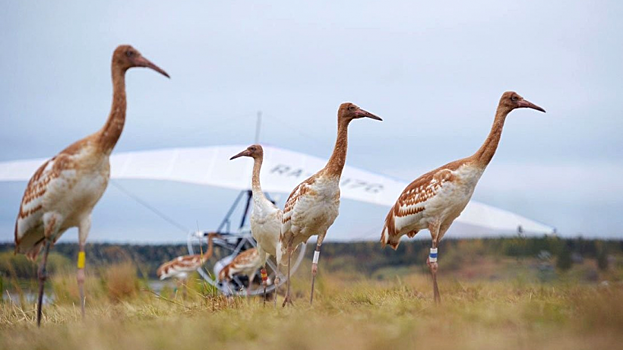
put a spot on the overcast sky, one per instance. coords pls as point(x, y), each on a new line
point(433, 70)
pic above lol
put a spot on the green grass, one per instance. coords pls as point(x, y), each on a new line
point(350, 312)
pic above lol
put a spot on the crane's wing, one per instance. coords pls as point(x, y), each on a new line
point(45, 185)
point(31, 206)
point(185, 263)
point(246, 262)
point(296, 203)
point(411, 204)
point(29, 230)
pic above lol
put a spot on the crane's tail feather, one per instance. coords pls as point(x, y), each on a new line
point(33, 252)
point(389, 239)
point(282, 252)
point(30, 247)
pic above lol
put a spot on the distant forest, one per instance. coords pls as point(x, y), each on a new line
point(363, 257)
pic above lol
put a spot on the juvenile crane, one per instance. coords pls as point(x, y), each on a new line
point(266, 217)
point(314, 204)
point(181, 266)
point(63, 191)
point(246, 263)
point(436, 198)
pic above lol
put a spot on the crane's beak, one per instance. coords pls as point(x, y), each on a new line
point(528, 104)
point(241, 154)
point(365, 114)
point(143, 62)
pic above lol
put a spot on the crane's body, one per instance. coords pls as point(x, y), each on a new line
point(312, 208)
point(246, 263)
point(265, 227)
point(180, 267)
point(62, 193)
point(184, 265)
point(434, 200)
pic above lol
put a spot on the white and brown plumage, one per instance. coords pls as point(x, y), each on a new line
point(314, 204)
point(266, 217)
point(246, 263)
point(63, 191)
point(183, 265)
point(436, 198)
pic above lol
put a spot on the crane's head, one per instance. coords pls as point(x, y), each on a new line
point(512, 100)
point(253, 151)
point(349, 111)
point(126, 57)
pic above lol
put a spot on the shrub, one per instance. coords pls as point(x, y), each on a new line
point(121, 281)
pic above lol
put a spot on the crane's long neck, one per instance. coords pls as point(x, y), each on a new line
point(111, 131)
point(336, 163)
point(484, 155)
point(255, 179)
point(208, 254)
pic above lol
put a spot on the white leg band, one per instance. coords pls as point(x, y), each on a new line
point(316, 256)
point(432, 257)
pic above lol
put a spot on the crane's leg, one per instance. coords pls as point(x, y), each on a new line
point(276, 282)
point(51, 222)
point(288, 300)
point(178, 283)
point(83, 233)
point(277, 279)
point(248, 291)
point(184, 288)
point(264, 281)
point(431, 261)
point(314, 269)
point(263, 273)
point(43, 275)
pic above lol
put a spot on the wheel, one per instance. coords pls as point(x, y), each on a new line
point(225, 249)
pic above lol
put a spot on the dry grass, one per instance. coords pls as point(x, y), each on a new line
point(351, 312)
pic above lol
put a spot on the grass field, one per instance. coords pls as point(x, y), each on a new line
point(351, 312)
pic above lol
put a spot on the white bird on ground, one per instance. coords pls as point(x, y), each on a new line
point(265, 218)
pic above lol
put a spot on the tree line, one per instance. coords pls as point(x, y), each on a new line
point(363, 257)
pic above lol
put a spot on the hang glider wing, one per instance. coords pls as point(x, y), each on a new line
point(282, 170)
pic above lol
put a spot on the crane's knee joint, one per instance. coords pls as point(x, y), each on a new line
point(43, 276)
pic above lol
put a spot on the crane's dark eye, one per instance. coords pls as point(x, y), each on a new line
point(351, 108)
point(514, 98)
point(129, 53)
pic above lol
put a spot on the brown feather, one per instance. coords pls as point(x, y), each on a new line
point(418, 191)
point(299, 191)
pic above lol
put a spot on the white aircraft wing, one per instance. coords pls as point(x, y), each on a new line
point(282, 170)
